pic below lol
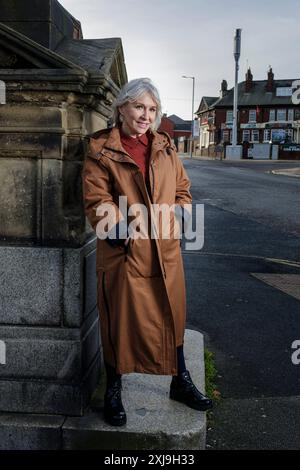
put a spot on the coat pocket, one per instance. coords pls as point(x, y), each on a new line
point(142, 258)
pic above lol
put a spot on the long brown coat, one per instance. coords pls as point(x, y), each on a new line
point(141, 291)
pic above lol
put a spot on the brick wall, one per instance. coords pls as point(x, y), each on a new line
point(167, 126)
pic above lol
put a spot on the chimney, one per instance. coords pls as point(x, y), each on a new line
point(224, 89)
point(248, 83)
point(46, 22)
point(270, 81)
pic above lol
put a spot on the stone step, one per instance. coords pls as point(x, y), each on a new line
point(153, 420)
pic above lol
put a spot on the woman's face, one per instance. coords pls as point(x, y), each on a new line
point(138, 116)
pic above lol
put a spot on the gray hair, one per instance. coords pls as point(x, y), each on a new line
point(131, 92)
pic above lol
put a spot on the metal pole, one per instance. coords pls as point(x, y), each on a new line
point(236, 53)
point(192, 130)
point(192, 123)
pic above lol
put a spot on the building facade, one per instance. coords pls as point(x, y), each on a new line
point(179, 130)
point(266, 114)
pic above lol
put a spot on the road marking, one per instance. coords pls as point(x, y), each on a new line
point(295, 264)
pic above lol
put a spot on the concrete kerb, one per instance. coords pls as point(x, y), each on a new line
point(185, 156)
point(153, 420)
point(294, 172)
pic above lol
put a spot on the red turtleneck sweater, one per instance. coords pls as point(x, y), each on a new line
point(139, 149)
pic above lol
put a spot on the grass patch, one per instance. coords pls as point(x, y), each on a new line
point(210, 376)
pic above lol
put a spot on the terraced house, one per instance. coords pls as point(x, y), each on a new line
point(266, 114)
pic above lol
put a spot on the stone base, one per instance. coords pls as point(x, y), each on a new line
point(50, 397)
point(49, 330)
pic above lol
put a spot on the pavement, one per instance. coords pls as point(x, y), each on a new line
point(288, 283)
point(257, 424)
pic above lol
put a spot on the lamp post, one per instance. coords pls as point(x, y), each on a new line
point(192, 124)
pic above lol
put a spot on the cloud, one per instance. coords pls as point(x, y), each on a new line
point(165, 40)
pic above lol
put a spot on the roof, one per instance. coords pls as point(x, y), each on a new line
point(206, 103)
point(176, 119)
point(46, 22)
point(90, 54)
point(180, 124)
point(183, 126)
point(210, 100)
point(31, 53)
point(90, 60)
point(257, 95)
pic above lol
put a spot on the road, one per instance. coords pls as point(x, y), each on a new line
point(252, 229)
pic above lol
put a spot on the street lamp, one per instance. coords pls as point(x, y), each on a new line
point(192, 124)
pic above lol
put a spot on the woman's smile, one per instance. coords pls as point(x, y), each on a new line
point(138, 116)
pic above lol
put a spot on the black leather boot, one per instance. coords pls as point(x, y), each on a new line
point(182, 389)
point(114, 412)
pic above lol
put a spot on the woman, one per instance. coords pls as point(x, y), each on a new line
point(141, 291)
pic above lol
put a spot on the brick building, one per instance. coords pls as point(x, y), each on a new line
point(266, 114)
point(167, 125)
point(179, 130)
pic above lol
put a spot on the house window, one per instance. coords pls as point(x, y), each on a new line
point(290, 114)
point(255, 135)
point(229, 116)
point(211, 119)
point(267, 135)
point(226, 136)
point(205, 139)
point(252, 115)
point(246, 135)
point(272, 115)
point(281, 114)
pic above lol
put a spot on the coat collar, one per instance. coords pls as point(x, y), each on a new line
point(108, 142)
point(133, 142)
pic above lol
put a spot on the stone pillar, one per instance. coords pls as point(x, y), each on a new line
point(48, 312)
point(50, 352)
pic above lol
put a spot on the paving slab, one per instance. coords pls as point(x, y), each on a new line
point(288, 283)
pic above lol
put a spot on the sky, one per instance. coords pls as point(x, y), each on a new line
point(165, 39)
